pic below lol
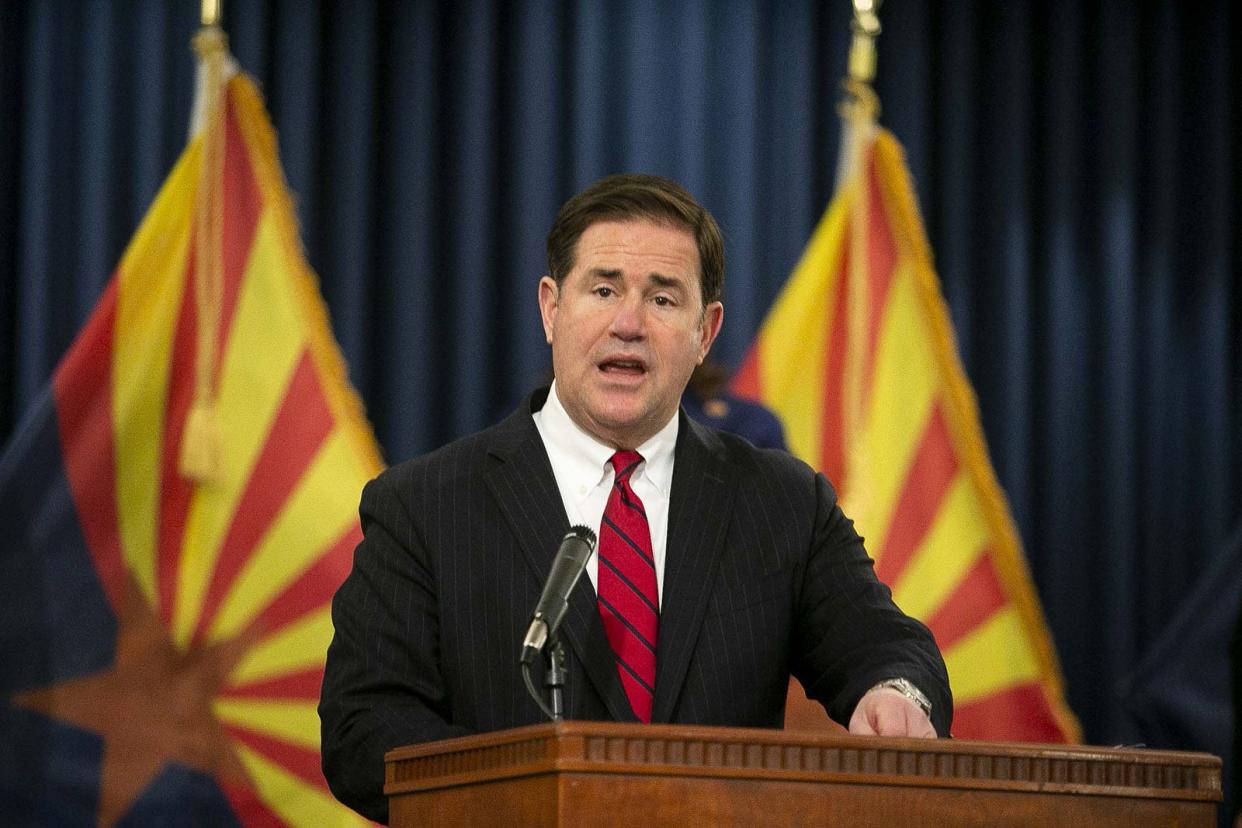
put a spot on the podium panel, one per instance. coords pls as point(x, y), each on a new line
point(600, 773)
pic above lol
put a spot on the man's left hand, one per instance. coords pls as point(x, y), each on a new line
point(884, 711)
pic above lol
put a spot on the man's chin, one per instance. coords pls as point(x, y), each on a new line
point(621, 407)
point(625, 424)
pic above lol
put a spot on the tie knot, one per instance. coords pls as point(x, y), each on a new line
point(624, 462)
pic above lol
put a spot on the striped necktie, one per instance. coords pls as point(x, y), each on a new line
point(628, 600)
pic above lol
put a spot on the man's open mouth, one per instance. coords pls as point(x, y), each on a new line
point(623, 367)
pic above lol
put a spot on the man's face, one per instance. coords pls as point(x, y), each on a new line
point(627, 327)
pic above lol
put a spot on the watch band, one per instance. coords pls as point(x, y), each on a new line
point(906, 688)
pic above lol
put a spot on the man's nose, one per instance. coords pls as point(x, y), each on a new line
point(630, 320)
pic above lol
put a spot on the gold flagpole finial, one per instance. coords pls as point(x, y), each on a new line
point(210, 41)
point(861, 100)
point(211, 12)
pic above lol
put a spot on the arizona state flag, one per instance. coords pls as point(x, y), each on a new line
point(858, 359)
point(178, 509)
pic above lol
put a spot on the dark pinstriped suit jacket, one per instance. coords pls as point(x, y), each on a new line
point(764, 577)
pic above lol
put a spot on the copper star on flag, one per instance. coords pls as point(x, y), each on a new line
point(151, 706)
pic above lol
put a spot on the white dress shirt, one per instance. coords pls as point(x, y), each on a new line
point(584, 477)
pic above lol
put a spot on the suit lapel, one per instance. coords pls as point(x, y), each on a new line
point(699, 505)
point(520, 478)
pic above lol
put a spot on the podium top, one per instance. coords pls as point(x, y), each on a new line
point(745, 753)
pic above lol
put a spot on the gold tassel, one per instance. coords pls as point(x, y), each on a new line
point(201, 441)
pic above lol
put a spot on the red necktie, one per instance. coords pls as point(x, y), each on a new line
point(628, 600)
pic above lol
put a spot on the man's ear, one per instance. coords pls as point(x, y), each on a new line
point(549, 296)
point(713, 319)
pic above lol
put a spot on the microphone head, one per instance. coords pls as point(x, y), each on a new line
point(582, 532)
point(567, 567)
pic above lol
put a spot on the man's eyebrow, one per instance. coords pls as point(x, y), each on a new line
point(666, 281)
point(658, 279)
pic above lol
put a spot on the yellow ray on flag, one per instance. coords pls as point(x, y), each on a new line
point(1000, 642)
point(295, 648)
point(295, 722)
point(858, 359)
point(142, 346)
point(296, 802)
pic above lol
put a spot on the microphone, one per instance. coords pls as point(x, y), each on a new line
point(571, 559)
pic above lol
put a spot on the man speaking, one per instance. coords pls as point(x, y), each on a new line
point(721, 569)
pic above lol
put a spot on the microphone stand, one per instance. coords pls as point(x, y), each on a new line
point(554, 678)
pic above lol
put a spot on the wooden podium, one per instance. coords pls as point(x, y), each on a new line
point(600, 773)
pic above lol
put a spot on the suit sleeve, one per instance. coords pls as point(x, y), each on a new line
point(382, 686)
point(849, 635)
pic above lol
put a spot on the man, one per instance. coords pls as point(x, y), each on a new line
point(721, 568)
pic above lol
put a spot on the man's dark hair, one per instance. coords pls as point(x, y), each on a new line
point(630, 197)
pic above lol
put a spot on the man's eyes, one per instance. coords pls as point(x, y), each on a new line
point(661, 300)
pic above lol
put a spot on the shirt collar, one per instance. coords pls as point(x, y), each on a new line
point(587, 458)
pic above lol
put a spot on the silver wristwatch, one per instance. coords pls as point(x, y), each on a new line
point(906, 688)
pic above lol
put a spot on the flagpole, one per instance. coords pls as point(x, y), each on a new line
point(859, 109)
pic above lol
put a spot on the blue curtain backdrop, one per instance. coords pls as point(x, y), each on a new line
point(1077, 162)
